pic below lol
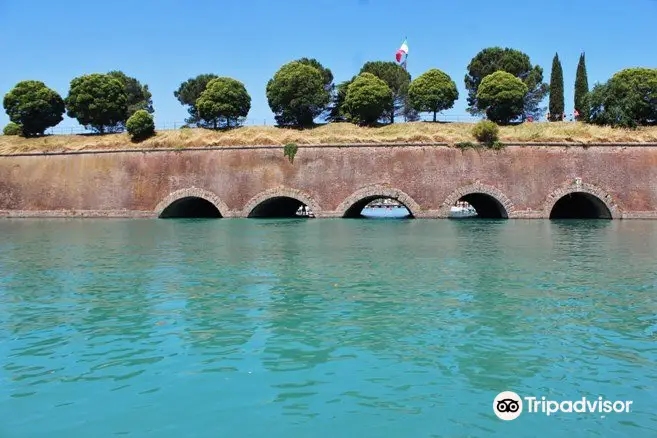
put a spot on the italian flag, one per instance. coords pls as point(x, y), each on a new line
point(402, 52)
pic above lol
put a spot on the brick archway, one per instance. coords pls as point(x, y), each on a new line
point(378, 191)
point(478, 188)
point(192, 192)
point(278, 193)
point(577, 186)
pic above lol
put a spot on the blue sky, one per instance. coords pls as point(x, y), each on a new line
point(165, 42)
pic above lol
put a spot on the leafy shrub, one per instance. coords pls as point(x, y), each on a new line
point(486, 132)
point(290, 151)
point(140, 125)
point(12, 129)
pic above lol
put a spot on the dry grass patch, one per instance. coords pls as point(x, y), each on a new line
point(336, 133)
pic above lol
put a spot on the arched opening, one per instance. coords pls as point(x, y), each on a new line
point(190, 207)
point(377, 207)
point(478, 205)
point(281, 207)
point(580, 205)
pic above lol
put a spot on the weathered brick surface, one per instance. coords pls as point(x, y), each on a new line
point(428, 179)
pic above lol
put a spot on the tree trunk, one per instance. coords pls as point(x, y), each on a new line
point(434, 116)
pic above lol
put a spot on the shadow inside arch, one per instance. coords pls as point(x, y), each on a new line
point(485, 206)
point(190, 207)
point(580, 205)
point(281, 207)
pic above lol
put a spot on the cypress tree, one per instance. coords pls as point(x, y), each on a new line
point(582, 90)
point(556, 90)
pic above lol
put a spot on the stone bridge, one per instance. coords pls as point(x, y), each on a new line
point(605, 181)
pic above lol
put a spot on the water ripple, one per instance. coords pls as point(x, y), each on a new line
point(323, 328)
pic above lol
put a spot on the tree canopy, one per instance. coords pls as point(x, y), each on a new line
point(138, 95)
point(97, 100)
point(556, 91)
point(433, 91)
point(224, 100)
point(582, 90)
point(367, 99)
point(297, 94)
point(501, 95)
point(188, 93)
point(34, 107)
point(512, 61)
point(628, 99)
point(326, 73)
point(397, 79)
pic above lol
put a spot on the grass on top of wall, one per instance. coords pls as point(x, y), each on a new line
point(335, 133)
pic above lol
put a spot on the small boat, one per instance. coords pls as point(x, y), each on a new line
point(305, 211)
point(461, 211)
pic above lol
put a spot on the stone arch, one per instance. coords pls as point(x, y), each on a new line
point(577, 186)
point(281, 192)
point(367, 194)
point(192, 192)
point(498, 199)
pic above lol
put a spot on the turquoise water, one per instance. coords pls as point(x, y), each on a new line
point(323, 328)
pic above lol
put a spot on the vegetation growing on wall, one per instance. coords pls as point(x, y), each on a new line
point(290, 151)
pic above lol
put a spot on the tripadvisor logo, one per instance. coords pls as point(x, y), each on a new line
point(508, 406)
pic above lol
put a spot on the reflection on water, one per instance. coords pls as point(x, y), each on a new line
point(282, 328)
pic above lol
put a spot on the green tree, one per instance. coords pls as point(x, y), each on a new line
point(397, 79)
point(224, 100)
point(512, 61)
point(188, 93)
point(297, 94)
point(556, 91)
point(326, 73)
point(367, 99)
point(138, 95)
point(581, 90)
point(12, 129)
point(98, 101)
point(337, 101)
point(34, 107)
point(433, 91)
point(628, 99)
point(140, 125)
point(501, 95)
